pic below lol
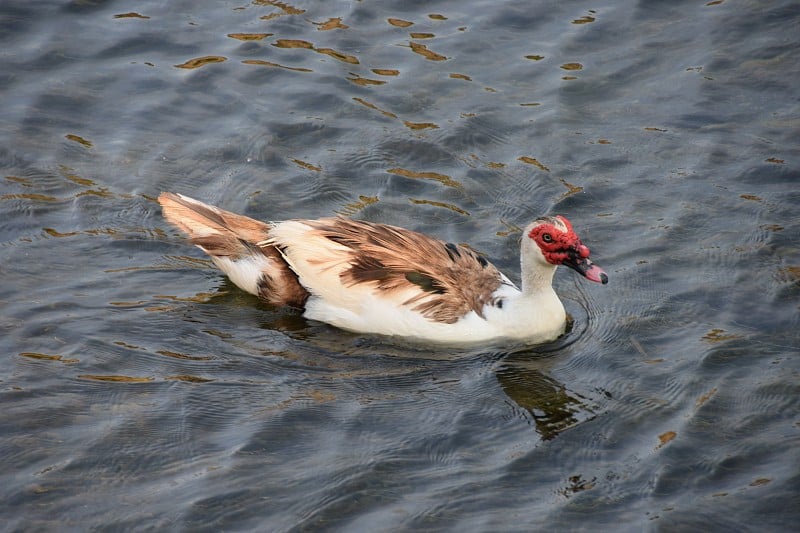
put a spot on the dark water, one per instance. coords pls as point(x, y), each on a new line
point(140, 390)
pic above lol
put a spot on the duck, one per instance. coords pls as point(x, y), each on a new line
point(373, 278)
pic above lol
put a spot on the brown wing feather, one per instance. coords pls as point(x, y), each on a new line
point(451, 280)
point(221, 233)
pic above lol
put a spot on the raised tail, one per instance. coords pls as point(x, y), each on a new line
point(232, 242)
point(211, 228)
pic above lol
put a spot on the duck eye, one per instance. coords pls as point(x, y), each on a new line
point(546, 237)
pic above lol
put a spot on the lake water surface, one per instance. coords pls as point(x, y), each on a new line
point(140, 390)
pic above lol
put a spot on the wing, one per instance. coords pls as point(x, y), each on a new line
point(343, 261)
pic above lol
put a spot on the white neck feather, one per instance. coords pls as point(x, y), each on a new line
point(537, 274)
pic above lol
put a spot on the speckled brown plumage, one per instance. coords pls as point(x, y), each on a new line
point(453, 280)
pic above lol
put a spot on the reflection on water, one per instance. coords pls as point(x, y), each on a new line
point(549, 404)
point(141, 390)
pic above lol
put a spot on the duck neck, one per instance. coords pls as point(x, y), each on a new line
point(537, 276)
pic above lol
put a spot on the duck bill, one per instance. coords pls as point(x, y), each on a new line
point(587, 269)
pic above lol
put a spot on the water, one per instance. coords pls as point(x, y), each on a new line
point(141, 390)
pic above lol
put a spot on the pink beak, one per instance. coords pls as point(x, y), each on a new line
point(579, 261)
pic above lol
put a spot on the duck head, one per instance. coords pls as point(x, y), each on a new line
point(560, 245)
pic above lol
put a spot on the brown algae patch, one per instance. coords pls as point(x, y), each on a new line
point(115, 378)
point(201, 62)
point(444, 205)
point(718, 335)
point(435, 176)
point(131, 15)
point(331, 24)
point(78, 139)
point(428, 54)
point(249, 36)
point(665, 438)
point(48, 357)
point(399, 23)
point(533, 161)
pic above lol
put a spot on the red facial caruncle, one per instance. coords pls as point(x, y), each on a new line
point(560, 245)
point(556, 243)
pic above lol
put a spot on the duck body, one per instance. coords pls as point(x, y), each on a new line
point(376, 278)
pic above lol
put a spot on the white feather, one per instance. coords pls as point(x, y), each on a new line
point(245, 272)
